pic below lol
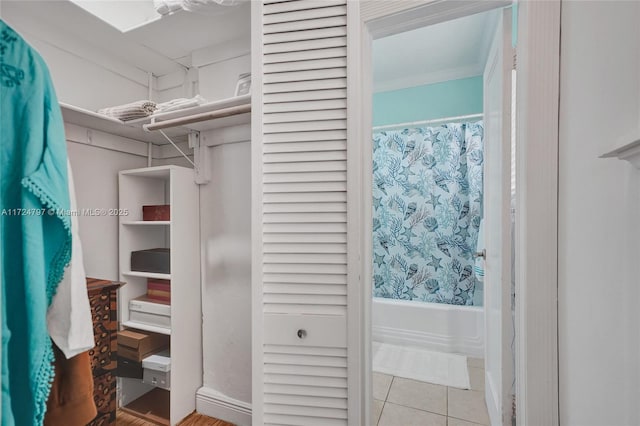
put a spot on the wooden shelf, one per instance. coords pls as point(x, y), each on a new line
point(147, 275)
point(134, 129)
point(147, 327)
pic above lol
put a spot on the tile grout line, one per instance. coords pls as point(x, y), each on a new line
point(381, 411)
point(389, 389)
point(468, 421)
point(421, 409)
point(446, 416)
point(384, 403)
point(417, 409)
point(446, 398)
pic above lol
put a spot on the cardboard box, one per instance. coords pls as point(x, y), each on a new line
point(156, 260)
point(160, 212)
point(159, 290)
point(137, 345)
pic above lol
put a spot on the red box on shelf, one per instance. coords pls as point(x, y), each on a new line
point(159, 290)
point(154, 213)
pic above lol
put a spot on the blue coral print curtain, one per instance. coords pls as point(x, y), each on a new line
point(427, 200)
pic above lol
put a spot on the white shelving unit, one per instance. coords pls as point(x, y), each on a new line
point(134, 129)
point(147, 275)
point(175, 186)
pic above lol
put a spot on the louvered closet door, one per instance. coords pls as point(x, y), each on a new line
point(300, 222)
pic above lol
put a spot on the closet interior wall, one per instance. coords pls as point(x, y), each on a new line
point(83, 75)
point(90, 77)
point(225, 238)
point(92, 168)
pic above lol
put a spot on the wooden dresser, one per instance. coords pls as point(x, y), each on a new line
point(104, 310)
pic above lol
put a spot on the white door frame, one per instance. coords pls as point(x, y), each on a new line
point(537, 178)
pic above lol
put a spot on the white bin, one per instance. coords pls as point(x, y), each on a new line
point(157, 370)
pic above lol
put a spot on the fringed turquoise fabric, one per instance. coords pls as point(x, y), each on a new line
point(35, 226)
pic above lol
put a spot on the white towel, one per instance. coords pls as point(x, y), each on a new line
point(69, 317)
point(164, 7)
point(180, 103)
point(207, 6)
point(138, 109)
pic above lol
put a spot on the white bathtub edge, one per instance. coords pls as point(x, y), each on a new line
point(438, 327)
point(473, 347)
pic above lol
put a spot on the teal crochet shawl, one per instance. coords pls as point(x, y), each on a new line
point(35, 227)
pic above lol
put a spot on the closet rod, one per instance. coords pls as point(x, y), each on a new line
point(176, 122)
point(423, 122)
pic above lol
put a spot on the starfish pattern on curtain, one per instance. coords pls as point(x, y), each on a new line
point(427, 203)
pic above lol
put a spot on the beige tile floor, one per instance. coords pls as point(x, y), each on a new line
point(405, 402)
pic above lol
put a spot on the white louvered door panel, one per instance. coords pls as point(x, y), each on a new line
point(300, 220)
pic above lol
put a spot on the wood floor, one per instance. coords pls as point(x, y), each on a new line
point(126, 419)
point(195, 419)
point(199, 420)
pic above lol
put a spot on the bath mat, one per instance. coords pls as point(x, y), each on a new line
point(421, 364)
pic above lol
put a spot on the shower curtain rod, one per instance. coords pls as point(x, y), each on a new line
point(419, 123)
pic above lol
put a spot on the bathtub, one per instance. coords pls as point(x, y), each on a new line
point(435, 326)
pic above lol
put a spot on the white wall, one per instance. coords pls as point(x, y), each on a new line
point(82, 83)
point(225, 223)
point(95, 173)
point(225, 227)
point(172, 93)
point(599, 207)
point(218, 81)
point(78, 69)
point(92, 78)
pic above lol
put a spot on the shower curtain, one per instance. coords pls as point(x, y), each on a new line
point(427, 206)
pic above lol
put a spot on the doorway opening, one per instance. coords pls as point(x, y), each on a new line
point(441, 230)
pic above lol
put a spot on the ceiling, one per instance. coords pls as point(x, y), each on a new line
point(123, 14)
point(133, 32)
point(446, 51)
